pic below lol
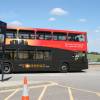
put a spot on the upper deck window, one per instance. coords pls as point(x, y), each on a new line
point(32, 36)
point(40, 35)
point(76, 37)
point(25, 34)
point(59, 36)
point(43, 35)
point(48, 36)
point(11, 34)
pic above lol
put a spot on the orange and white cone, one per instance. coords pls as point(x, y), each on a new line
point(25, 95)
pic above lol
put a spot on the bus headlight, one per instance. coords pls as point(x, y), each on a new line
point(79, 55)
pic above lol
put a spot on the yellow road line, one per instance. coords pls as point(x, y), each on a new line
point(70, 94)
point(42, 93)
point(39, 86)
point(7, 98)
point(83, 90)
point(9, 90)
point(98, 94)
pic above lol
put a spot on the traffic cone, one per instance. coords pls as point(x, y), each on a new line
point(25, 95)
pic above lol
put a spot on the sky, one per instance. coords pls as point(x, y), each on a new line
point(82, 15)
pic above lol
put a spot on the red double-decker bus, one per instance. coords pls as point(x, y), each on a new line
point(36, 49)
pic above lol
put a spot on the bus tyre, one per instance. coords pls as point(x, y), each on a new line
point(7, 67)
point(64, 68)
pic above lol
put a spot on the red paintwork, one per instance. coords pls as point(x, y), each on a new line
point(73, 46)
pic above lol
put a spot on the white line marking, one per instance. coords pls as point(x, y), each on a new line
point(7, 98)
point(70, 94)
point(42, 93)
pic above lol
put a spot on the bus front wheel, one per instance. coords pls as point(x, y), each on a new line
point(7, 67)
point(64, 68)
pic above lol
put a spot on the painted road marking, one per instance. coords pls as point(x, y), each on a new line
point(42, 93)
point(51, 83)
point(7, 98)
point(9, 90)
point(98, 94)
point(70, 94)
point(39, 86)
point(83, 90)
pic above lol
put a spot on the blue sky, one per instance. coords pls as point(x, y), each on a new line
point(82, 15)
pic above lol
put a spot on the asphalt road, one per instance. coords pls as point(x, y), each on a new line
point(56, 86)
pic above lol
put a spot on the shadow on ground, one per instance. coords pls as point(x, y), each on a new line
point(5, 79)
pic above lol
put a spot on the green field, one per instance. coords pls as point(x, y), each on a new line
point(94, 57)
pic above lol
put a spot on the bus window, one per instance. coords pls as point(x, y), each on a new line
point(32, 36)
point(26, 34)
point(81, 37)
point(11, 33)
point(48, 36)
point(47, 55)
point(59, 36)
point(23, 55)
point(23, 34)
point(39, 55)
point(43, 35)
point(62, 37)
point(76, 37)
point(55, 37)
point(40, 35)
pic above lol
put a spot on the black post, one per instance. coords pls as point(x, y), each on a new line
point(3, 27)
point(2, 69)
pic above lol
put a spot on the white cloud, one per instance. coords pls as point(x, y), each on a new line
point(98, 27)
point(8, 15)
point(97, 30)
point(15, 23)
point(52, 19)
point(1, 18)
point(58, 11)
point(82, 20)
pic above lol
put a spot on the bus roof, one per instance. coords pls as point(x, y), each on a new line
point(45, 29)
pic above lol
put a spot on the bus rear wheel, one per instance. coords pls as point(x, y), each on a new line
point(64, 68)
point(7, 67)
